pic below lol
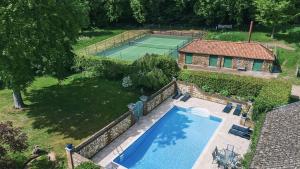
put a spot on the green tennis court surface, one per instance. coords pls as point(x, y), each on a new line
point(151, 44)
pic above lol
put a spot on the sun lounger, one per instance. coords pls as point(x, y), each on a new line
point(238, 110)
point(227, 108)
point(242, 129)
point(177, 95)
point(185, 97)
point(239, 133)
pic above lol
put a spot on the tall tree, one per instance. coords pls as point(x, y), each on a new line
point(36, 37)
point(275, 12)
point(222, 11)
point(138, 10)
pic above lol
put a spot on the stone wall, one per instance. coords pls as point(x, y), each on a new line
point(242, 62)
point(201, 61)
point(105, 136)
point(160, 96)
point(78, 159)
point(196, 92)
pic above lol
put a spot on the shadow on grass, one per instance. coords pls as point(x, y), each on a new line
point(80, 108)
point(94, 33)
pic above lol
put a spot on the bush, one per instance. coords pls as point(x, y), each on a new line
point(87, 165)
point(12, 140)
point(154, 71)
point(247, 87)
point(104, 67)
point(274, 94)
point(224, 93)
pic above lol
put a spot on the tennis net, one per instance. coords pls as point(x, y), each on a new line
point(150, 45)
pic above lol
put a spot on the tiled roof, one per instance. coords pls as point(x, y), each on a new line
point(279, 143)
point(225, 48)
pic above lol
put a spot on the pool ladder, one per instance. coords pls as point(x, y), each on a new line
point(118, 150)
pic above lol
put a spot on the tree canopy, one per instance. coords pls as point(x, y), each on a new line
point(191, 12)
point(275, 12)
point(36, 38)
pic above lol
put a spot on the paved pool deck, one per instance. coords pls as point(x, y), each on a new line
point(220, 138)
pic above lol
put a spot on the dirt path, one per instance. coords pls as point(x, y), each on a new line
point(280, 45)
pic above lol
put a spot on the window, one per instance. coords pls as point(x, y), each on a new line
point(188, 58)
point(227, 62)
point(257, 65)
point(213, 61)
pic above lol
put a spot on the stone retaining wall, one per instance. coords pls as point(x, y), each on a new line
point(160, 96)
point(78, 159)
point(99, 140)
point(196, 92)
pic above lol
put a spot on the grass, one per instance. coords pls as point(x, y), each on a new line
point(287, 42)
point(90, 37)
point(66, 113)
point(238, 36)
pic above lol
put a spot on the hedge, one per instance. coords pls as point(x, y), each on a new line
point(242, 86)
point(275, 93)
point(101, 66)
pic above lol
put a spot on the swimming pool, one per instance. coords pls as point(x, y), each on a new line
point(174, 142)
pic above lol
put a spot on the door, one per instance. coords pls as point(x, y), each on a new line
point(227, 62)
point(188, 58)
point(213, 61)
point(257, 65)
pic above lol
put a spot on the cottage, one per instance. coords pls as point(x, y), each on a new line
point(228, 55)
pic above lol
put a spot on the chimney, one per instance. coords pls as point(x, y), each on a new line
point(250, 31)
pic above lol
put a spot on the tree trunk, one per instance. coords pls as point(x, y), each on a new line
point(273, 32)
point(18, 101)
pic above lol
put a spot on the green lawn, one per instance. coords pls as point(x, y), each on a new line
point(66, 113)
point(287, 41)
point(90, 37)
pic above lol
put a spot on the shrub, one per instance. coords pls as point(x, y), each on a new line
point(274, 94)
point(104, 67)
point(127, 82)
point(224, 93)
point(247, 87)
point(154, 71)
point(205, 88)
point(87, 165)
point(12, 140)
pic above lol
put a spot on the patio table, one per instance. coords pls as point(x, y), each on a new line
point(227, 157)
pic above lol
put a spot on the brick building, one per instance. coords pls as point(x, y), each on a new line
point(226, 55)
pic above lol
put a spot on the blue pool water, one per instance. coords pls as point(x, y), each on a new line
point(174, 142)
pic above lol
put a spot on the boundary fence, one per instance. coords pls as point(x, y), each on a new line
point(113, 42)
point(192, 34)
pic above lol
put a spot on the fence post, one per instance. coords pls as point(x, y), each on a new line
point(69, 151)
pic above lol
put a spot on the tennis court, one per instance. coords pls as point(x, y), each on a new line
point(151, 44)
